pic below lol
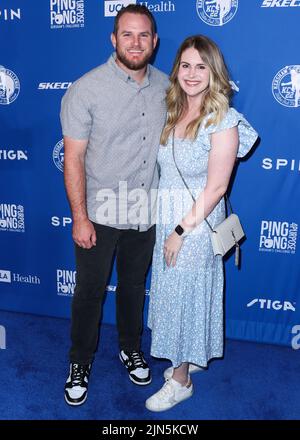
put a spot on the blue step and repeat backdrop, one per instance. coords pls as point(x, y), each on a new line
point(45, 45)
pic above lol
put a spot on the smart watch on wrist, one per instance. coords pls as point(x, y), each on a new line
point(180, 231)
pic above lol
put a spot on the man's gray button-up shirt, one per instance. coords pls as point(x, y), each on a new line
point(122, 121)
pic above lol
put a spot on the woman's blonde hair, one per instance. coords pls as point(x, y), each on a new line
point(216, 98)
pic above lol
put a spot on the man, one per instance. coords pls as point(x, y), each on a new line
point(112, 118)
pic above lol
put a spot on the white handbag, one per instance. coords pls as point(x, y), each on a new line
point(228, 233)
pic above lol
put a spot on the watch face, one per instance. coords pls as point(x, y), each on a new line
point(179, 230)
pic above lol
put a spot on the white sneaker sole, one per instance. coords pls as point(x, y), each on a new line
point(169, 407)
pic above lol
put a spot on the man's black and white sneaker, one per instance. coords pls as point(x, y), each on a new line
point(77, 384)
point(137, 367)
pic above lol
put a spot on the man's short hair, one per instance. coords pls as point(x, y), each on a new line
point(135, 9)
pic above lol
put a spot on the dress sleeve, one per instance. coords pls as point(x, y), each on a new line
point(247, 134)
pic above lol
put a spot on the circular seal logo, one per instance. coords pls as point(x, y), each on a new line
point(286, 86)
point(58, 155)
point(216, 12)
point(9, 86)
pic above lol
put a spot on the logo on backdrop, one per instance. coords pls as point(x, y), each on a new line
point(66, 14)
point(63, 222)
point(112, 7)
point(216, 12)
point(295, 342)
point(271, 304)
point(54, 86)
point(6, 276)
point(10, 14)
point(277, 164)
point(278, 237)
point(13, 154)
point(58, 155)
point(65, 282)
point(286, 86)
point(12, 217)
point(113, 289)
point(9, 86)
point(159, 6)
point(280, 3)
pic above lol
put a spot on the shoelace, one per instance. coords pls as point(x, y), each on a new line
point(137, 358)
point(78, 373)
point(166, 390)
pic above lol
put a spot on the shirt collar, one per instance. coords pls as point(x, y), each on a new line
point(124, 75)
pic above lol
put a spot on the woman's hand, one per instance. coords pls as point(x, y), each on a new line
point(172, 247)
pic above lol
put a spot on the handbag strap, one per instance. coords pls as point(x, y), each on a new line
point(186, 185)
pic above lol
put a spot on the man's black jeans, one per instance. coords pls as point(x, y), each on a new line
point(133, 255)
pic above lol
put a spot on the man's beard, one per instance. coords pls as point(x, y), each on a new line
point(133, 65)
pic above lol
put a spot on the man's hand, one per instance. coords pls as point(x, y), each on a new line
point(84, 233)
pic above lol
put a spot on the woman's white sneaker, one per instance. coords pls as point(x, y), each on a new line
point(168, 373)
point(171, 393)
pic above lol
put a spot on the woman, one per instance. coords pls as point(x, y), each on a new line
point(201, 140)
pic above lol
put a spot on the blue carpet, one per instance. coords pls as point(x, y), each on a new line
point(253, 382)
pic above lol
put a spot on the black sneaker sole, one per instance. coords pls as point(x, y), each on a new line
point(131, 378)
point(139, 383)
